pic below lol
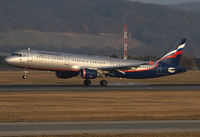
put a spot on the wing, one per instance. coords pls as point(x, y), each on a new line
point(120, 69)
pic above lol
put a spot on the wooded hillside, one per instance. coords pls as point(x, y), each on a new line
point(155, 27)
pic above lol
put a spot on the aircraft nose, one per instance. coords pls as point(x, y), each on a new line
point(9, 60)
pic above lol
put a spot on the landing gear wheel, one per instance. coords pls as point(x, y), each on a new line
point(24, 76)
point(87, 82)
point(103, 83)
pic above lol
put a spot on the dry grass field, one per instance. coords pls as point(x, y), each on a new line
point(126, 135)
point(43, 77)
point(99, 105)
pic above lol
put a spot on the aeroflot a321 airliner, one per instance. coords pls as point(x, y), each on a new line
point(68, 65)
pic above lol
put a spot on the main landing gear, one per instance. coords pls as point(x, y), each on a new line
point(88, 82)
point(103, 83)
point(24, 76)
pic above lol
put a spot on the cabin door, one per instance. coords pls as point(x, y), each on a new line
point(66, 60)
point(159, 69)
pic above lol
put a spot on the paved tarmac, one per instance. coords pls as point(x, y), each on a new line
point(115, 86)
point(61, 128)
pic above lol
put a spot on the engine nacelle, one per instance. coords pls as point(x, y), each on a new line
point(66, 74)
point(88, 73)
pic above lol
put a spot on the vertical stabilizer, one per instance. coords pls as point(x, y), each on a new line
point(173, 56)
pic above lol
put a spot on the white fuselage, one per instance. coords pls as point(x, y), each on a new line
point(56, 61)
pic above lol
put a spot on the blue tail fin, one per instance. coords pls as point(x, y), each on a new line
point(173, 56)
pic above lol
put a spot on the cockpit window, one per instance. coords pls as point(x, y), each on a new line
point(17, 54)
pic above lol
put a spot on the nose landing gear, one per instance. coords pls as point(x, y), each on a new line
point(24, 76)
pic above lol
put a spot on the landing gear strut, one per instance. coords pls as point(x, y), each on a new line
point(25, 75)
point(87, 82)
point(103, 83)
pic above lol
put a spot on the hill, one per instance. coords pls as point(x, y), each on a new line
point(154, 27)
point(189, 6)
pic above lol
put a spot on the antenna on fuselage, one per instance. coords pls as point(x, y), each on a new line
point(125, 41)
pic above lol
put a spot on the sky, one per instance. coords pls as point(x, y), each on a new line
point(165, 1)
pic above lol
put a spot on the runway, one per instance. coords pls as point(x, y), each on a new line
point(115, 86)
point(62, 128)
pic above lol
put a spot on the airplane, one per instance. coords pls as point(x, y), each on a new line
point(67, 65)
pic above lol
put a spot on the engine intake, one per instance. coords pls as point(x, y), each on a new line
point(88, 74)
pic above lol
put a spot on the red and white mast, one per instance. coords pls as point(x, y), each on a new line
point(125, 41)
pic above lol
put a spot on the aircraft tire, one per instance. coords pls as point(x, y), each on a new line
point(87, 82)
point(103, 83)
point(24, 76)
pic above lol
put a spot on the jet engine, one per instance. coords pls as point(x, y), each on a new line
point(88, 73)
point(66, 74)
